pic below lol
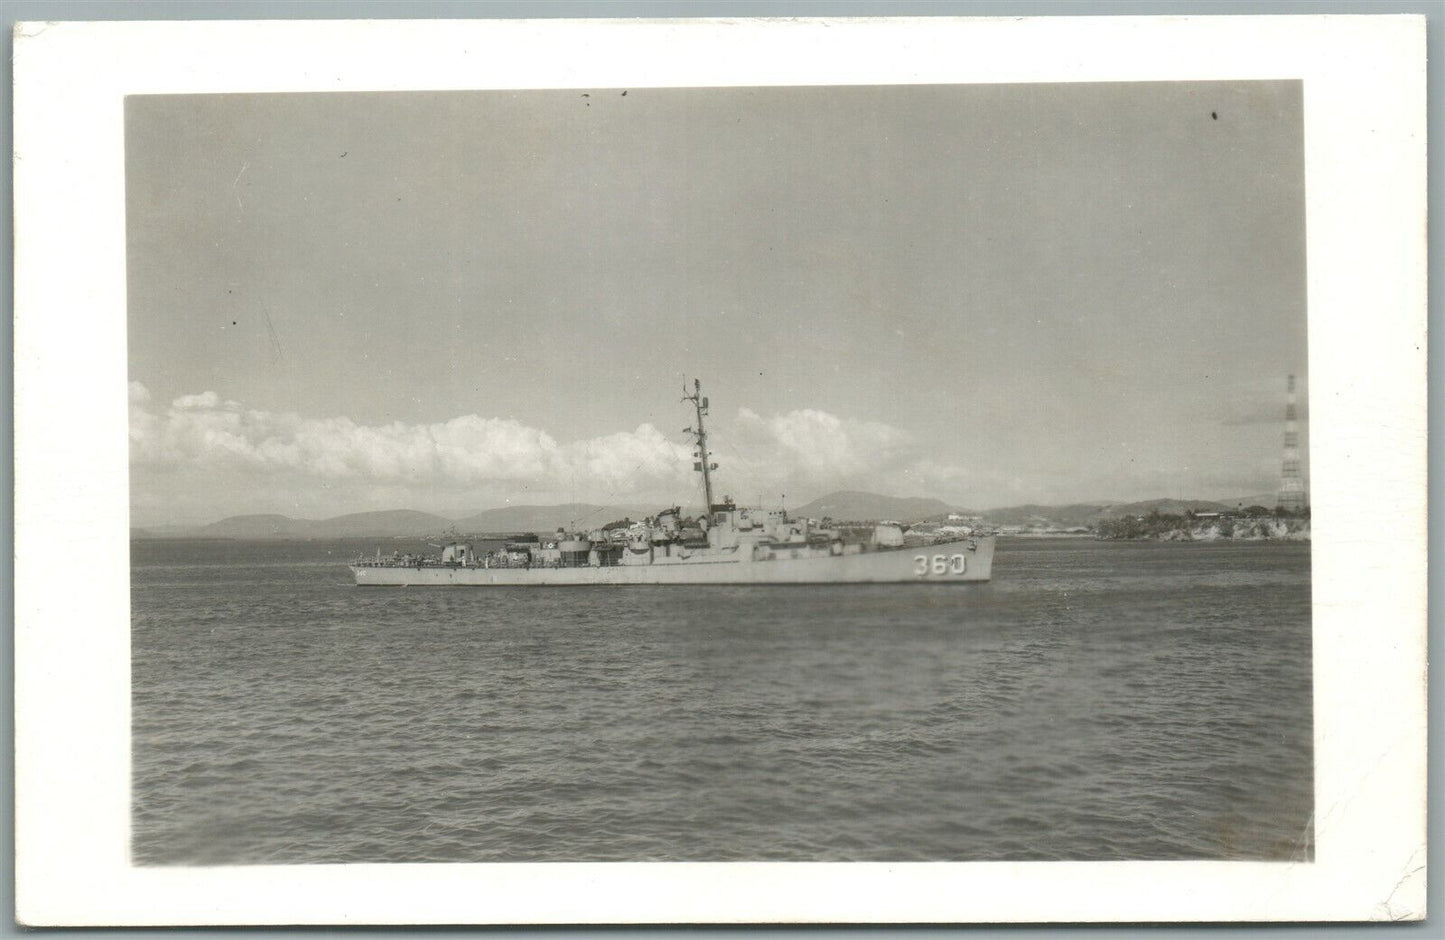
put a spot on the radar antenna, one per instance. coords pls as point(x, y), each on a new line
point(701, 460)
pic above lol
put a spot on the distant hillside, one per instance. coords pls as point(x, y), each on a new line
point(386, 524)
point(269, 526)
point(548, 518)
point(392, 522)
point(852, 505)
point(1076, 515)
point(164, 532)
point(1165, 507)
point(1267, 500)
point(1061, 517)
point(843, 506)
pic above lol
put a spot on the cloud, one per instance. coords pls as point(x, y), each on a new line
point(203, 400)
point(202, 448)
point(818, 444)
point(202, 432)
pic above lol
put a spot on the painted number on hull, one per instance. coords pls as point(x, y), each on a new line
point(939, 564)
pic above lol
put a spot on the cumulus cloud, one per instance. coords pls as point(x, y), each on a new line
point(808, 452)
point(203, 400)
point(203, 432)
point(202, 444)
point(818, 443)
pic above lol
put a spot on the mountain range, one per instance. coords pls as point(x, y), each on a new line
point(852, 505)
point(1076, 515)
point(845, 505)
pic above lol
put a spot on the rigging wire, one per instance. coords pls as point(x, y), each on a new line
point(611, 496)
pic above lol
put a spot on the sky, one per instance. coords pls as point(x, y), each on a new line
point(451, 301)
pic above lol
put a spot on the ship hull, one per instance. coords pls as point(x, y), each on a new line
point(967, 560)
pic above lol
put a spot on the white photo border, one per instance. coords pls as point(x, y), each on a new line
point(1364, 116)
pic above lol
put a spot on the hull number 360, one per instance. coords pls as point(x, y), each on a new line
point(939, 564)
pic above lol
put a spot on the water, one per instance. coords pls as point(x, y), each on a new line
point(1095, 701)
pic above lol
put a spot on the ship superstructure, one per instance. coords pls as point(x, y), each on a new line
point(724, 544)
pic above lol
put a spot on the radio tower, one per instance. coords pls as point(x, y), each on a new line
point(1291, 484)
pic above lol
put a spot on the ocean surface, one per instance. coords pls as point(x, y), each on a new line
point(1097, 700)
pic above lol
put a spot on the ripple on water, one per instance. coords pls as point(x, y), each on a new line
point(1096, 701)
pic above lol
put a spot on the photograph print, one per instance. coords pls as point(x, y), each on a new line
point(872, 473)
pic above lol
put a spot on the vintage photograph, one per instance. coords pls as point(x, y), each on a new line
point(824, 473)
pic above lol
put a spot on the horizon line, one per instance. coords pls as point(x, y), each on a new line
point(950, 507)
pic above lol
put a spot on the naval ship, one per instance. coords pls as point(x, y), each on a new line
point(725, 544)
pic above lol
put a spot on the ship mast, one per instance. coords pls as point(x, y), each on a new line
point(701, 463)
